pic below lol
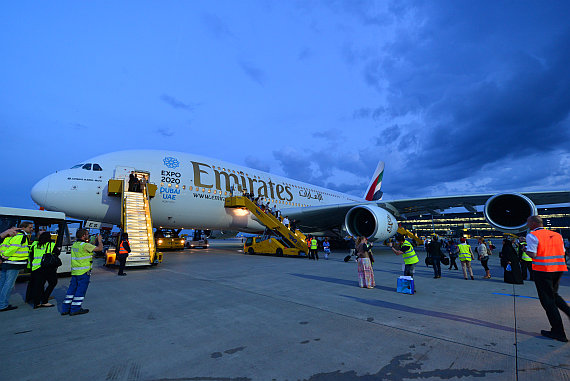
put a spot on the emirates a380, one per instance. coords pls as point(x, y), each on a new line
point(191, 190)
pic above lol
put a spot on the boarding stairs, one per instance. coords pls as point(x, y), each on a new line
point(137, 223)
point(405, 232)
point(289, 238)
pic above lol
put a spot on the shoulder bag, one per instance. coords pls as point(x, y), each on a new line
point(50, 260)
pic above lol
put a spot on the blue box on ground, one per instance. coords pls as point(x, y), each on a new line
point(405, 285)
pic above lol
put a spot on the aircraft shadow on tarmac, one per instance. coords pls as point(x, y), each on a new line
point(414, 310)
point(438, 314)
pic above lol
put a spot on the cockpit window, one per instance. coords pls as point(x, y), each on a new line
point(77, 166)
point(97, 167)
point(87, 166)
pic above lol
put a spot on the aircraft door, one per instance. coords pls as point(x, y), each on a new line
point(122, 172)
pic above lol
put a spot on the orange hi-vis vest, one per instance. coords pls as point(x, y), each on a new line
point(549, 253)
point(122, 249)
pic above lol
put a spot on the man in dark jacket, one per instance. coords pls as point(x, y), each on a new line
point(434, 252)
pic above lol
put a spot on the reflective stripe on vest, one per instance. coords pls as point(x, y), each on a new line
point(410, 256)
point(550, 252)
point(39, 253)
point(524, 255)
point(17, 252)
point(464, 252)
point(122, 249)
point(81, 259)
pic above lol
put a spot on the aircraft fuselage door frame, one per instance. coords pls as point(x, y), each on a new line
point(122, 172)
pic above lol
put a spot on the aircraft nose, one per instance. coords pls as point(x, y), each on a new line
point(40, 191)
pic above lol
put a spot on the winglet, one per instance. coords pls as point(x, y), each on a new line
point(374, 193)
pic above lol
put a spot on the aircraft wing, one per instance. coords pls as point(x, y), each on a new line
point(320, 218)
point(431, 204)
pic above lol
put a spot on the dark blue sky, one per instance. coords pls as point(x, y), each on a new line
point(457, 97)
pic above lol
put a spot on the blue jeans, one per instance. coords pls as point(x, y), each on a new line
point(409, 270)
point(7, 280)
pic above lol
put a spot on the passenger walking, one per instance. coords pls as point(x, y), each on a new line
point(351, 246)
point(546, 248)
point(483, 255)
point(453, 254)
point(132, 181)
point(465, 256)
point(406, 250)
point(286, 221)
point(42, 273)
point(511, 263)
point(365, 272)
point(14, 252)
point(124, 250)
point(326, 248)
point(81, 263)
point(434, 252)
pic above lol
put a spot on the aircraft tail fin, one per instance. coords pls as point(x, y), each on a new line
point(374, 193)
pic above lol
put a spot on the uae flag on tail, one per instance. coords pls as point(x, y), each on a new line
point(374, 193)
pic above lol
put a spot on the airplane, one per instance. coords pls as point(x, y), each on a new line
point(192, 189)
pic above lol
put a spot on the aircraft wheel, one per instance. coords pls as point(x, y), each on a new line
point(250, 251)
point(279, 252)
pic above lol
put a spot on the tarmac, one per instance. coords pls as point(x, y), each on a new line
point(219, 315)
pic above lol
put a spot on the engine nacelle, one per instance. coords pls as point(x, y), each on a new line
point(508, 212)
point(370, 221)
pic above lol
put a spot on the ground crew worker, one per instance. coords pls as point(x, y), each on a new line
point(14, 252)
point(408, 253)
point(526, 261)
point(81, 263)
point(546, 248)
point(313, 248)
point(124, 250)
point(465, 256)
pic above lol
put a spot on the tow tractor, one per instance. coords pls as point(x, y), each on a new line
point(270, 245)
point(197, 239)
point(169, 239)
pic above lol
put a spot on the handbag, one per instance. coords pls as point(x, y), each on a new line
point(429, 261)
point(445, 260)
point(50, 260)
point(371, 256)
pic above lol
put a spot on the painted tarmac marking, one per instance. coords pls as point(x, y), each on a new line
point(18, 333)
point(521, 296)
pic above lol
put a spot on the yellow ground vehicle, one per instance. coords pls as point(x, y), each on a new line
point(169, 239)
point(269, 245)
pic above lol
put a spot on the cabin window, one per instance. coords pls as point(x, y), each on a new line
point(77, 166)
point(97, 167)
point(87, 166)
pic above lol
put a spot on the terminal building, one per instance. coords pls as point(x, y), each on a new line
point(470, 224)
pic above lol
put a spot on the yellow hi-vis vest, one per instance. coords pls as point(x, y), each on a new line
point(39, 253)
point(17, 249)
point(81, 259)
point(314, 244)
point(524, 255)
point(410, 256)
point(464, 252)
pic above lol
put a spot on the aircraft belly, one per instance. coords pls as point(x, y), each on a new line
point(205, 214)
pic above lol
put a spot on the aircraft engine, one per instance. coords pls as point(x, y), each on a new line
point(370, 221)
point(508, 212)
